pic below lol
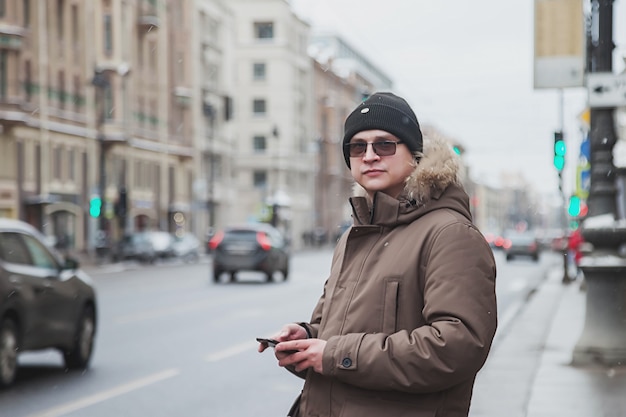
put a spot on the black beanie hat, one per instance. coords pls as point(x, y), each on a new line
point(388, 112)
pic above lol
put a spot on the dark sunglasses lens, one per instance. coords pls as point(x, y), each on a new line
point(357, 149)
point(384, 148)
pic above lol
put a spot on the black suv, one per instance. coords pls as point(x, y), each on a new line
point(45, 301)
point(252, 247)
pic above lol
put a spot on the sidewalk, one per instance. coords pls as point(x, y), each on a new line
point(529, 371)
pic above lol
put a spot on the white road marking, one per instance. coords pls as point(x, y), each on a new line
point(84, 402)
point(237, 349)
point(231, 351)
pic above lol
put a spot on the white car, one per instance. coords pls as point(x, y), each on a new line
point(187, 247)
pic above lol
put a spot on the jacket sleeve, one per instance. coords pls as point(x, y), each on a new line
point(460, 314)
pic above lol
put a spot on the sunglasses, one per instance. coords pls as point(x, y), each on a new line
point(382, 148)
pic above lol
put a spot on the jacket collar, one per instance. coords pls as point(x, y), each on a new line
point(436, 175)
point(439, 167)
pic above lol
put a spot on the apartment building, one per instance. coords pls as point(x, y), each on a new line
point(181, 115)
point(212, 97)
point(274, 158)
point(107, 102)
point(343, 77)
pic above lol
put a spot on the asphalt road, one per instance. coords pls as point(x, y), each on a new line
point(171, 342)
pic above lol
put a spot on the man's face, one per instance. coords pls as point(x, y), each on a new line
point(375, 172)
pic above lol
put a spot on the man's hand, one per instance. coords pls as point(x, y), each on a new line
point(291, 331)
point(309, 354)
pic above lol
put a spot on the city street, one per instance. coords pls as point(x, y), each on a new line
point(170, 342)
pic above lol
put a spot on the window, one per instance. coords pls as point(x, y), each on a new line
point(71, 165)
point(264, 30)
point(260, 179)
point(258, 107)
point(258, 70)
point(12, 249)
point(108, 34)
point(75, 23)
point(76, 96)
point(259, 144)
point(58, 163)
point(61, 92)
point(60, 7)
point(26, 11)
point(28, 80)
point(3, 73)
point(40, 256)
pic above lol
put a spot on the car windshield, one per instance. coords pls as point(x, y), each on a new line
point(241, 234)
point(522, 238)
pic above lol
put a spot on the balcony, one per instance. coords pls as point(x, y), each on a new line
point(12, 113)
point(147, 14)
point(11, 37)
point(182, 95)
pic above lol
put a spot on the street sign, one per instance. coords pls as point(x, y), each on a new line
point(606, 89)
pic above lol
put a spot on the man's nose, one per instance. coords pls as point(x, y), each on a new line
point(370, 153)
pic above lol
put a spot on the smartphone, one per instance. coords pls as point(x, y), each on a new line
point(272, 343)
point(269, 342)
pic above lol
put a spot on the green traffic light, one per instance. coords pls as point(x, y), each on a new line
point(559, 162)
point(95, 207)
point(560, 148)
point(574, 206)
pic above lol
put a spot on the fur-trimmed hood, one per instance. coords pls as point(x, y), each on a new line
point(439, 166)
point(437, 174)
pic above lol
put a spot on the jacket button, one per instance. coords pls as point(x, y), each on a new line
point(346, 362)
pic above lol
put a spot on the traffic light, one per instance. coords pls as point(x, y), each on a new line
point(559, 151)
point(577, 207)
point(95, 206)
point(573, 209)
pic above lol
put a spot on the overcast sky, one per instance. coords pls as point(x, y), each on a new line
point(466, 67)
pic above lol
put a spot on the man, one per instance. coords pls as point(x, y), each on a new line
point(408, 313)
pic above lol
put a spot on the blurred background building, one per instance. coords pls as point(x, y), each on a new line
point(124, 115)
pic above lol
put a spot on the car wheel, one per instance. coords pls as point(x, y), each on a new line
point(216, 275)
point(8, 352)
point(269, 276)
point(285, 272)
point(233, 276)
point(79, 355)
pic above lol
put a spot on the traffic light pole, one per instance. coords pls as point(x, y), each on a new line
point(101, 179)
point(100, 83)
point(560, 152)
point(565, 246)
point(603, 339)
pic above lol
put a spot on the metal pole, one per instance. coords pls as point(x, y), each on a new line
point(565, 279)
point(602, 192)
point(603, 339)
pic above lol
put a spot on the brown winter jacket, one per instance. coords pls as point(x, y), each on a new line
point(409, 308)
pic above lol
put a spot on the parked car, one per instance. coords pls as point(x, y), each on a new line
point(135, 246)
point(46, 301)
point(162, 243)
point(252, 247)
point(187, 247)
point(521, 244)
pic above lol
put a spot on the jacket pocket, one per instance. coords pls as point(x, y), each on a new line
point(390, 306)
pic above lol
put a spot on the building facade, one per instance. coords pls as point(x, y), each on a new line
point(274, 158)
point(181, 115)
